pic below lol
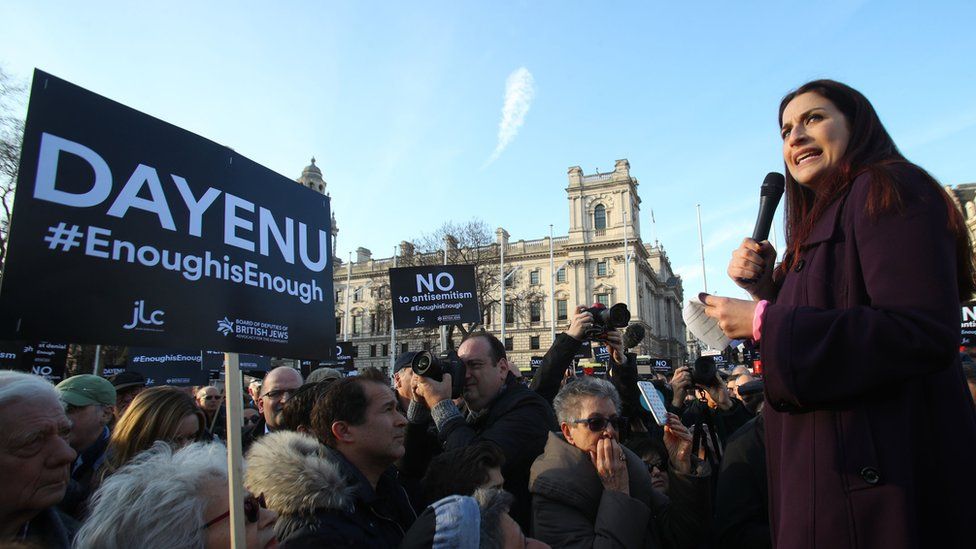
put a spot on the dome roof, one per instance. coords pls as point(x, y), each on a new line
point(312, 169)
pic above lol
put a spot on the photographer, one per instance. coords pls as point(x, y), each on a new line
point(727, 413)
point(500, 410)
point(560, 355)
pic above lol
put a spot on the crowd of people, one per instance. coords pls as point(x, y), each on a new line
point(862, 394)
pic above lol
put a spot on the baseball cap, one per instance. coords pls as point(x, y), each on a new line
point(126, 379)
point(404, 360)
point(87, 389)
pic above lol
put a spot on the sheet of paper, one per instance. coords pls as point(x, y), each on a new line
point(704, 328)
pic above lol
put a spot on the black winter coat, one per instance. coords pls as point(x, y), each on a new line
point(321, 498)
point(519, 422)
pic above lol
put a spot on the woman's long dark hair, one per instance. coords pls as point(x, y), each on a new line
point(870, 150)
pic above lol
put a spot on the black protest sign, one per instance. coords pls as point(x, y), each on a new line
point(345, 352)
point(661, 365)
point(434, 295)
point(602, 353)
point(129, 230)
point(42, 358)
point(535, 362)
point(585, 351)
point(168, 366)
point(969, 325)
point(255, 362)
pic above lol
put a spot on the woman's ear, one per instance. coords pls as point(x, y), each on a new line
point(567, 433)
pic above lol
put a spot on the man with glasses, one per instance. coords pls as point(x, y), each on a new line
point(500, 410)
point(589, 490)
point(277, 388)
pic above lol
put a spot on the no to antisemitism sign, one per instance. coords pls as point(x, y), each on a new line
point(433, 295)
point(129, 230)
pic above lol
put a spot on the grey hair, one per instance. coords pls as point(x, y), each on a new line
point(157, 500)
point(569, 399)
point(15, 386)
point(494, 503)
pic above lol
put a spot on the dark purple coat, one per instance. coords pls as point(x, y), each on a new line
point(870, 430)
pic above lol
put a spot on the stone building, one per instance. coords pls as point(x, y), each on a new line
point(589, 265)
point(965, 198)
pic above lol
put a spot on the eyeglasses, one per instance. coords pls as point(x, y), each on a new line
point(253, 420)
point(252, 508)
point(597, 424)
point(211, 397)
point(279, 393)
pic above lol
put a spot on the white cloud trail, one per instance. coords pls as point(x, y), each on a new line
point(519, 91)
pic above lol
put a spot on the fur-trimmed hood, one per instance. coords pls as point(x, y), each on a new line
point(296, 474)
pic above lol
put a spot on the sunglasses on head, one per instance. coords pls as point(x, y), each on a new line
point(252, 508)
point(598, 424)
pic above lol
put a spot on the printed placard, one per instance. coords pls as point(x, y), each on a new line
point(434, 295)
point(129, 230)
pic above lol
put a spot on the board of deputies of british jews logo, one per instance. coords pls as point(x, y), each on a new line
point(254, 330)
point(143, 319)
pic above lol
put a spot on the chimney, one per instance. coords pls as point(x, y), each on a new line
point(575, 176)
point(363, 255)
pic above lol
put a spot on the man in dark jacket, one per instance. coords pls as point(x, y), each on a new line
point(500, 410)
point(343, 494)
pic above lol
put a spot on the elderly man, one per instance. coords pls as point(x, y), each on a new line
point(500, 410)
point(211, 402)
point(344, 493)
point(90, 404)
point(277, 388)
point(35, 461)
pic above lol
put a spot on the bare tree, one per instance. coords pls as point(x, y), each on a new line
point(11, 135)
point(468, 243)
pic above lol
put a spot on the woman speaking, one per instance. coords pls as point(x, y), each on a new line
point(870, 431)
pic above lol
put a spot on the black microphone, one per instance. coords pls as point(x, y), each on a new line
point(633, 335)
point(769, 196)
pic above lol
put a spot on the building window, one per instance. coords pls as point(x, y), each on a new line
point(535, 311)
point(561, 275)
point(372, 351)
point(372, 324)
point(338, 325)
point(509, 313)
point(426, 345)
point(604, 299)
point(599, 217)
point(561, 309)
point(386, 349)
point(404, 347)
point(510, 280)
point(534, 342)
point(357, 325)
point(508, 344)
point(338, 295)
point(601, 268)
point(534, 277)
point(357, 295)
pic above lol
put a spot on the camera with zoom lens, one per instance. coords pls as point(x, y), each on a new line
point(605, 319)
point(434, 367)
point(703, 372)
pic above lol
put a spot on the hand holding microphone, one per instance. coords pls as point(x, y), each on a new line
point(751, 267)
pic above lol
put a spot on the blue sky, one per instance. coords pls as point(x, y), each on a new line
point(401, 102)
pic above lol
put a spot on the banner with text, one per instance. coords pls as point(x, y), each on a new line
point(969, 325)
point(43, 358)
point(129, 230)
point(168, 366)
point(433, 295)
